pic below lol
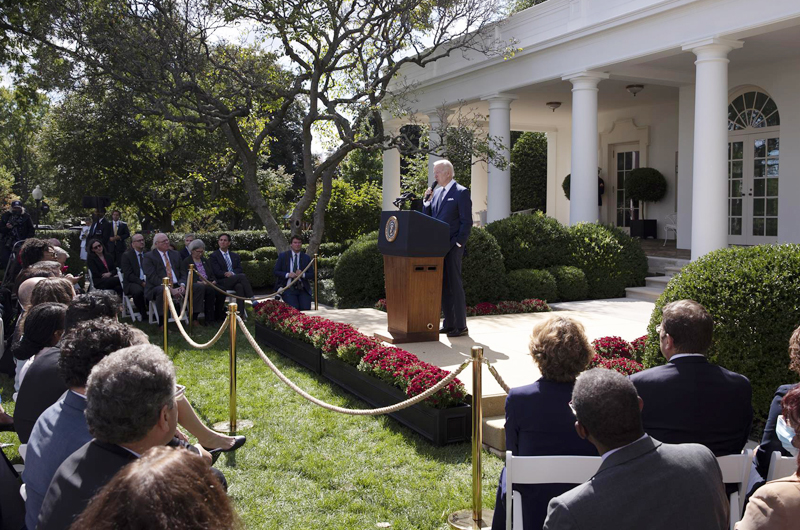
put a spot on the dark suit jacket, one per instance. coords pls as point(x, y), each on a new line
point(117, 247)
point(184, 252)
point(220, 267)
point(129, 265)
point(769, 440)
point(98, 230)
point(455, 210)
point(282, 267)
point(77, 480)
point(647, 484)
point(690, 400)
point(540, 422)
point(155, 270)
point(96, 266)
point(41, 388)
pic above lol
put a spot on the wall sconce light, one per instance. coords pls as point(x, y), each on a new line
point(553, 105)
point(634, 89)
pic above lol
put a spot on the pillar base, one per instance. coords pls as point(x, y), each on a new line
point(225, 426)
point(462, 520)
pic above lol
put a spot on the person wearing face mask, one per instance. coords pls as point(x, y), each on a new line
point(776, 505)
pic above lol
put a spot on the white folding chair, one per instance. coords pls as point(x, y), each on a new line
point(781, 466)
point(23, 492)
point(736, 470)
point(670, 223)
point(543, 470)
point(152, 314)
point(239, 303)
point(91, 282)
point(23, 450)
point(127, 305)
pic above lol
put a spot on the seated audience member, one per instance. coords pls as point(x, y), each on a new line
point(42, 328)
point(538, 418)
point(131, 406)
point(214, 300)
point(642, 483)
point(133, 277)
point(771, 441)
point(166, 489)
point(776, 505)
point(61, 429)
point(227, 269)
point(289, 266)
point(185, 252)
point(43, 384)
point(35, 250)
point(54, 289)
point(35, 271)
point(689, 399)
point(6, 421)
point(156, 264)
point(103, 267)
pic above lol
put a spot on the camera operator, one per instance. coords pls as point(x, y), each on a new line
point(15, 225)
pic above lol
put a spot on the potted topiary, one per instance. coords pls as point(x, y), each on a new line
point(644, 184)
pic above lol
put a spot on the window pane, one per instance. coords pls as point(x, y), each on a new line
point(758, 169)
point(620, 180)
point(736, 209)
point(620, 197)
point(738, 150)
point(620, 160)
point(738, 104)
point(772, 227)
point(628, 160)
point(736, 168)
point(758, 227)
point(774, 120)
point(758, 207)
point(772, 167)
point(769, 108)
point(772, 207)
point(773, 146)
point(736, 188)
point(761, 98)
point(749, 100)
point(772, 187)
point(758, 188)
point(759, 151)
point(620, 218)
point(736, 226)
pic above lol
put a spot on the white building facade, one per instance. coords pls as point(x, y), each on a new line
point(718, 114)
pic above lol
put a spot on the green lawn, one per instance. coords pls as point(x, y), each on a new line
point(306, 468)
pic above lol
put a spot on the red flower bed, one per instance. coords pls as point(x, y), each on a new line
point(615, 353)
point(388, 363)
point(638, 347)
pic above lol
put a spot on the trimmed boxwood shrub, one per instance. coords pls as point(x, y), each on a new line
point(752, 294)
point(358, 276)
point(531, 283)
point(245, 255)
point(260, 273)
point(264, 253)
point(531, 241)
point(611, 259)
point(571, 282)
point(482, 269)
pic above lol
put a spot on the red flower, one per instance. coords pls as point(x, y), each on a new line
point(612, 347)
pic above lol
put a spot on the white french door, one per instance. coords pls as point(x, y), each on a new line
point(753, 186)
point(625, 159)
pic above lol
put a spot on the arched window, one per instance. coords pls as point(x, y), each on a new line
point(752, 110)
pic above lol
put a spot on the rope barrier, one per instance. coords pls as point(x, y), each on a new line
point(263, 296)
point(187, 338)
point(493, 371)
point(355, 412)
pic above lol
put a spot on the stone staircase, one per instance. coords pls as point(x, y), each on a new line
point(665, 268)
point(494, 423)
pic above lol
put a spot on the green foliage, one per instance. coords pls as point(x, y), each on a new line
point(353, 210)
point(260, 273)
point(362, 166)
point(358, 276)
point(263, 253)
point(645, 184)
point(531, 283)
point(529, 172)
point(245, 255)
point(531, 241)
point(521, 5)
point(22, 116)
point(565, 185)
point(751, 292)
point(610, 258)
point(482, 269)
point(571, 282)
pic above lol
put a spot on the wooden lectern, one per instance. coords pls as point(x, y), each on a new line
point(413, 247)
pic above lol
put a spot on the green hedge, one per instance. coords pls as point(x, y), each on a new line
point(571, 282)
point(752, 294)
point(260, 273)
point(482, 269)
point(245, 255)
point(531, 241)
point(610, 258)
point(531, 283)
point(358, 276)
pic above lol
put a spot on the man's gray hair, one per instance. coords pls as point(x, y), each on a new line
point(194, 245)
point(447, 165)
point(160, 235)
point(607, 405)
point(126, 392)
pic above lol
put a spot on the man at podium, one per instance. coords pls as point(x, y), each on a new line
point(451, 203)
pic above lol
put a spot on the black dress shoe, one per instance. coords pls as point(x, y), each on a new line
point(446, 330)
point(238, 442)
point(458, 332)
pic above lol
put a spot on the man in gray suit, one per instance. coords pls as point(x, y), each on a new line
point(642, 483)
point(161, 263)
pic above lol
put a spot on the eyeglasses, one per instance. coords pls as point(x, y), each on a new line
point(95, 247)
point(572, 408)
point(660, 328)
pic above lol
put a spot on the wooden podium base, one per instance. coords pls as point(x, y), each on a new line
point(399, 337)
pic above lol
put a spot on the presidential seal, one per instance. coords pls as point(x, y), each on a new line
point(391, 229)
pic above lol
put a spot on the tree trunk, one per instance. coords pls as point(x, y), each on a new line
point(319, 212)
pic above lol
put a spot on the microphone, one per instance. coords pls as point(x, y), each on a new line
point(433, 187)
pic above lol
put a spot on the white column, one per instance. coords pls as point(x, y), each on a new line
point(710, 165)
point(499, 180)
point(479, 188)
point(434, 140)
point(583, 170)
point(391, 178)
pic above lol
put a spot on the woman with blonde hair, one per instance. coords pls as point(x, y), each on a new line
point(538, 418)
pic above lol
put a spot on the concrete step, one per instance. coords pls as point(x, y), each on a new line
point(493, 405)
point(494, 432)
point(672, 270)
point(657, 282)
point(648, 294)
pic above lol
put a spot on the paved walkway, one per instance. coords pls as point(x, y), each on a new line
point(505, 337)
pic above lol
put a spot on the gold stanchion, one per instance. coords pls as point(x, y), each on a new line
point(165, 317)
point(191, 297)
point(316, 287)
point(477, 518)
point(232, 425)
